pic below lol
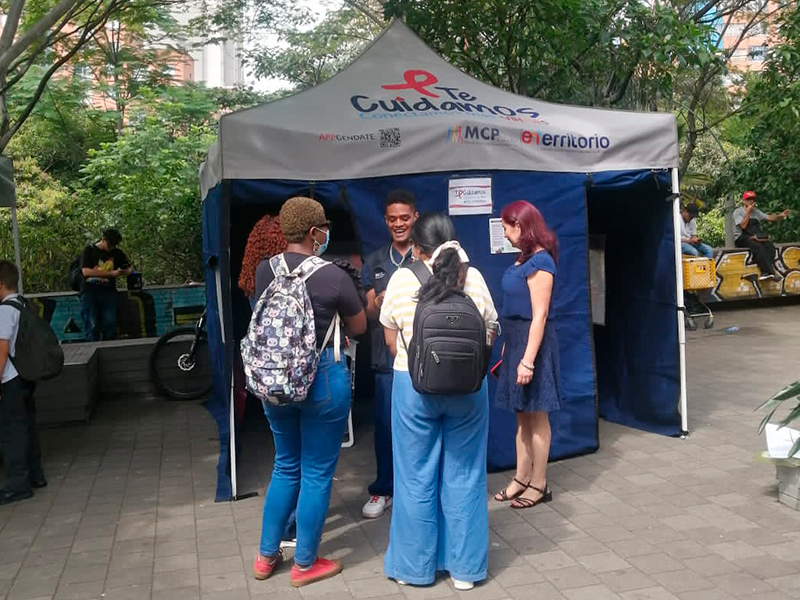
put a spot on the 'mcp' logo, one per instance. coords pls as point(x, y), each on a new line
point(470, 134)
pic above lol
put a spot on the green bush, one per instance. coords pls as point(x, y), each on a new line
point(711, 227)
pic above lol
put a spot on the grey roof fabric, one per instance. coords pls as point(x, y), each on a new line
point(400, 108)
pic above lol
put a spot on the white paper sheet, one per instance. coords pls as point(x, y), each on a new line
point(470, 196)
point(498, 243)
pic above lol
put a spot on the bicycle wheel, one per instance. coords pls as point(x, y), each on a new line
point(176, 374)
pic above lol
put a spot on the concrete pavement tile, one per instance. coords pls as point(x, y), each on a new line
point(789, 584)
point(629, 548)
point(79, 591)
point(656, 563)
point(708, 566)
point(221, 582)
point(626, 580)
point(440, 589)
point(582, 547)
point(682, 581)
point(742, 585)
point(84, 574)
point(684, 549)
point(603, 562)
point(570, 577)
point(765, 567)
point(735, 550)
point(129, 592)
point(516, 576)
point(163, 549)
point(550, 561)
point(175, 580)
point(185, 593)
point(35, 588)
point(535, 590)
point(176, 562)
point(652, 593)
point(592, 592)
point(373, 587)
point(128, 576)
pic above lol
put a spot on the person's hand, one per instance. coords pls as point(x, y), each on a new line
point(785, 214)
point(116, 273)
point(749, 208)
point(524, 375)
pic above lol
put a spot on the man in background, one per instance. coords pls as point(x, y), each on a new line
point(101, 265)
point(747, 221)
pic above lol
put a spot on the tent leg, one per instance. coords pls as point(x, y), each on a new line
point(676, 216)
point(15, 228)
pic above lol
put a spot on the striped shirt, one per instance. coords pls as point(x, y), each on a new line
point(399, 306)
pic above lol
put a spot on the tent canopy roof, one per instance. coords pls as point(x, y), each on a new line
point(400, 108)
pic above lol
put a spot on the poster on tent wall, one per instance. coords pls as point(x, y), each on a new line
point(498, 243)
point(469, 196)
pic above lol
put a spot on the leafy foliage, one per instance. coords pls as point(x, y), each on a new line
point(791, 396)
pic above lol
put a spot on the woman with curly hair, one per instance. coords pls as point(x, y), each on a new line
point(265, 241)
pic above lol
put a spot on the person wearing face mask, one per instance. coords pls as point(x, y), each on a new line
point(308, 434)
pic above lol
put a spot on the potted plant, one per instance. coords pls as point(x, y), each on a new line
point(788, 469)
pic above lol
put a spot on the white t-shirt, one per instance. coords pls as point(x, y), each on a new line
point(9, 326)
point(688, 230)
point(399, 306)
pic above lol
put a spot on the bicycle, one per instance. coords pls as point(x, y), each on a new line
point(180, 365)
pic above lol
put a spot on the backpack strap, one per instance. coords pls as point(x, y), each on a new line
point(421, 271)
point(309, 266)
point(278, 265)
point(334, 330)
point(19, 303)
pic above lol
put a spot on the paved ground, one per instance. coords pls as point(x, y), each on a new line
point(129, 513)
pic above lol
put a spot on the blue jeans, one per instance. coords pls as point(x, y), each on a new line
point(700, 250)
point(99, 310)
point(440, 518)
point(383, 484)
point(308, 437)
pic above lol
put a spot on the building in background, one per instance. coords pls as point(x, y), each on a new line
point(750, 53)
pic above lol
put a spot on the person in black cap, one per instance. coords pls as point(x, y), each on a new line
point(691, 245)
point(379, 266)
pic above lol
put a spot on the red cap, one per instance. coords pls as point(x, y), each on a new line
point(748, 194)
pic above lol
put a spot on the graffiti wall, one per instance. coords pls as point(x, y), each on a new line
point(151, 312)
point(737, 275)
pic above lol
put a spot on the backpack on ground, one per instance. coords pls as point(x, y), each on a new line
point(37, 353)
point(448, 352)
point(76, 274)
point(279, 352)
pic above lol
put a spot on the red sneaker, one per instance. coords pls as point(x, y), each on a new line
point(263, 566)
point(321, 569)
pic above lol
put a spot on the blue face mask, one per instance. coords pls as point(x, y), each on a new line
point(319, 249)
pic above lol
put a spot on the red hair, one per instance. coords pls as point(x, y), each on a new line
point(265, 241)
point(535, 232)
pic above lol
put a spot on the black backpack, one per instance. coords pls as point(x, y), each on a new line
point(76, 274)
point(37, 353)
point(448, 352)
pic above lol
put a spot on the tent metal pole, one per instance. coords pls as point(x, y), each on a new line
point(676, 217)
point(231, 413)
point(15, 229)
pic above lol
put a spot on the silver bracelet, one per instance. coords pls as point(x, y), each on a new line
point(529, 367)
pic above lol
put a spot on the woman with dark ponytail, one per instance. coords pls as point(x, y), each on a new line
point(440, 519)
point(530, 377)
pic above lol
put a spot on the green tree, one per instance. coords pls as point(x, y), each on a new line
point(50, 33)
point(771, 126)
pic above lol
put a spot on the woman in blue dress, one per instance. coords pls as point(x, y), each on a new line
point(530, 381)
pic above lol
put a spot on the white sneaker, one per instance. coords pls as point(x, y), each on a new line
point(376, 506)
point(289, 543)
point(400, 582)
point(462, 586)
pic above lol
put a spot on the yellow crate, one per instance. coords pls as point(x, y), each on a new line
point(699, 273)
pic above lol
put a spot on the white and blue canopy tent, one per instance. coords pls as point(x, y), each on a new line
point(401, 116)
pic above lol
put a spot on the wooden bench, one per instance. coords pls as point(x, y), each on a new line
point(94, 371)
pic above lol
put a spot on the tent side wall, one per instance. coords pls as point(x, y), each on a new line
point(215, 260)
point(637, 349)
point(562, 201)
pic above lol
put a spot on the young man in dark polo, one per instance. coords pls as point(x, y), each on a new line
point(379, 266)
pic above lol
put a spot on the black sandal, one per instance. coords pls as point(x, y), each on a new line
point(521, 503)
point(504, 497)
